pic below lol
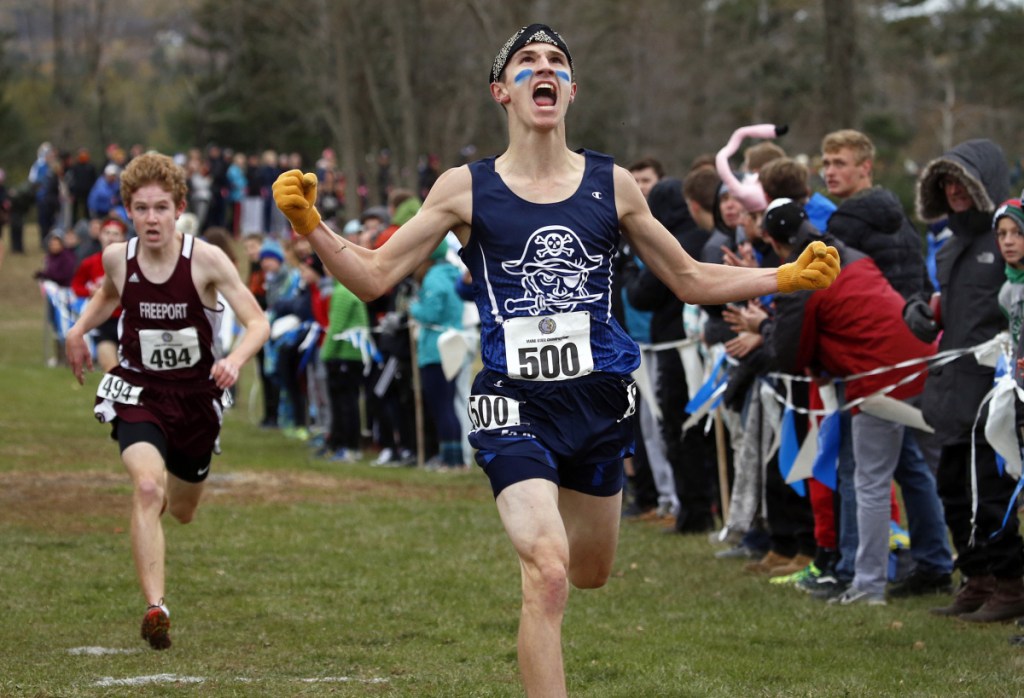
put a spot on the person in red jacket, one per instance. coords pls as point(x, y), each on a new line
point(853, 327)
point(87, 280)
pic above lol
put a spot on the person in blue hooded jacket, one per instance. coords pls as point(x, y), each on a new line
point(437, 308)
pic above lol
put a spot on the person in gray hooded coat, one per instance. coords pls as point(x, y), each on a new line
point(965, 185)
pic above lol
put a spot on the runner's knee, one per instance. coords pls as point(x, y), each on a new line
point(150, 492)
point(546, 587)
point(546, 577)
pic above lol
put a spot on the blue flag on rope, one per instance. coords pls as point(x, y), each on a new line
point(1010, 508)
point(64, 309)
point(789, 447)
point(1001, 370)
point(716, 379)
point(310, 344)
point(826, 462)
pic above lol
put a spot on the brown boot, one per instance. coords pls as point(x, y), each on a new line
point(970, 596)
point(792, 567)
point(1006, 602)
point(767, 563)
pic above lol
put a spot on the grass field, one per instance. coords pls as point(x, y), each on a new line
point(306, 578)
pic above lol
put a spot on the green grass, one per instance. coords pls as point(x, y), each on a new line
point(305, 578)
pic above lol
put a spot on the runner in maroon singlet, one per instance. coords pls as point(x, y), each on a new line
point(163, 398)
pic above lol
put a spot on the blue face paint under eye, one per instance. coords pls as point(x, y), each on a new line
point(522, 75)
point(563, 74)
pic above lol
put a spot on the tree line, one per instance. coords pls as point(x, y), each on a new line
point(656, 77)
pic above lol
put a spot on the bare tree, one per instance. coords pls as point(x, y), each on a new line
point(62, 91)
point(840, 50)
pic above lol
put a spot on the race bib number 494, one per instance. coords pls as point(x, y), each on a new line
point(165, 350)
point(548, 348)
point(118, 390)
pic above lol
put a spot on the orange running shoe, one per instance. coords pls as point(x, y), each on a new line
point(156, 627)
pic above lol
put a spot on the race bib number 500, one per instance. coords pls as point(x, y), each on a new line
point(165, 350)
point(493, 412)
point(548, 348)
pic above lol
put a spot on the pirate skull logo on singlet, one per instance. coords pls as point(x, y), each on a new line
point(554, 268)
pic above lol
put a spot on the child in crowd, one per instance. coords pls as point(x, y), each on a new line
point(342, 355)
point(60, 262)
point(87, 280)
point(1009, 229)
point(438, 308)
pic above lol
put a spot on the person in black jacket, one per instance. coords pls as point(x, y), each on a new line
point(689, 452)
point(650, 489)
point(80, 178)
point(965, 184)
point(870, 218)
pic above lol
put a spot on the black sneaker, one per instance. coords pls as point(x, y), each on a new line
point(828, 588)
point(740, 552)
point(921, 583)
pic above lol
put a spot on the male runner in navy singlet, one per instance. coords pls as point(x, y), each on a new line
point(539, 225)
point(163, 397)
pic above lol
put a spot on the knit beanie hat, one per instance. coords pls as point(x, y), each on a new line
point(406, 210)
point(271, 249)
point(1011, 208)
point(783, 219)
point(352, 227)
point(378, 212)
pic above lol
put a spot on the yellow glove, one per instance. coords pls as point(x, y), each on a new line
point(816, 268)
point(295, 195)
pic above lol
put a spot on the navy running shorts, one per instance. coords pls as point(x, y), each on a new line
point(574, 433)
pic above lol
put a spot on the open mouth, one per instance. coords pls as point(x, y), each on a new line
point(545, 95)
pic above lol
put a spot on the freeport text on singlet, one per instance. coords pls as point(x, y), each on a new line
point(163, 311)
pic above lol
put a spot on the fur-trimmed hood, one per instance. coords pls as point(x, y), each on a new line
point(979, 163)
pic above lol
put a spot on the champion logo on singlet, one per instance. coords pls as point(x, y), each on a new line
point(134, 278)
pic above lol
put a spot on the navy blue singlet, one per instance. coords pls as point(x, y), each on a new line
point(542, 260)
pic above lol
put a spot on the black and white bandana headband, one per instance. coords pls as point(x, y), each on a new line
point(535, 33)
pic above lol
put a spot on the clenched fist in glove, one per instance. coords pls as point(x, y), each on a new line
point(816, 268)
point(295, 195)
point(920, 318)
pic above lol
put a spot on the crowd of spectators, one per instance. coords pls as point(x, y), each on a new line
point(835, 442)
point(828, 405)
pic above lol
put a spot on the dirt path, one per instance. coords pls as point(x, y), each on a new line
point(79, 501)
